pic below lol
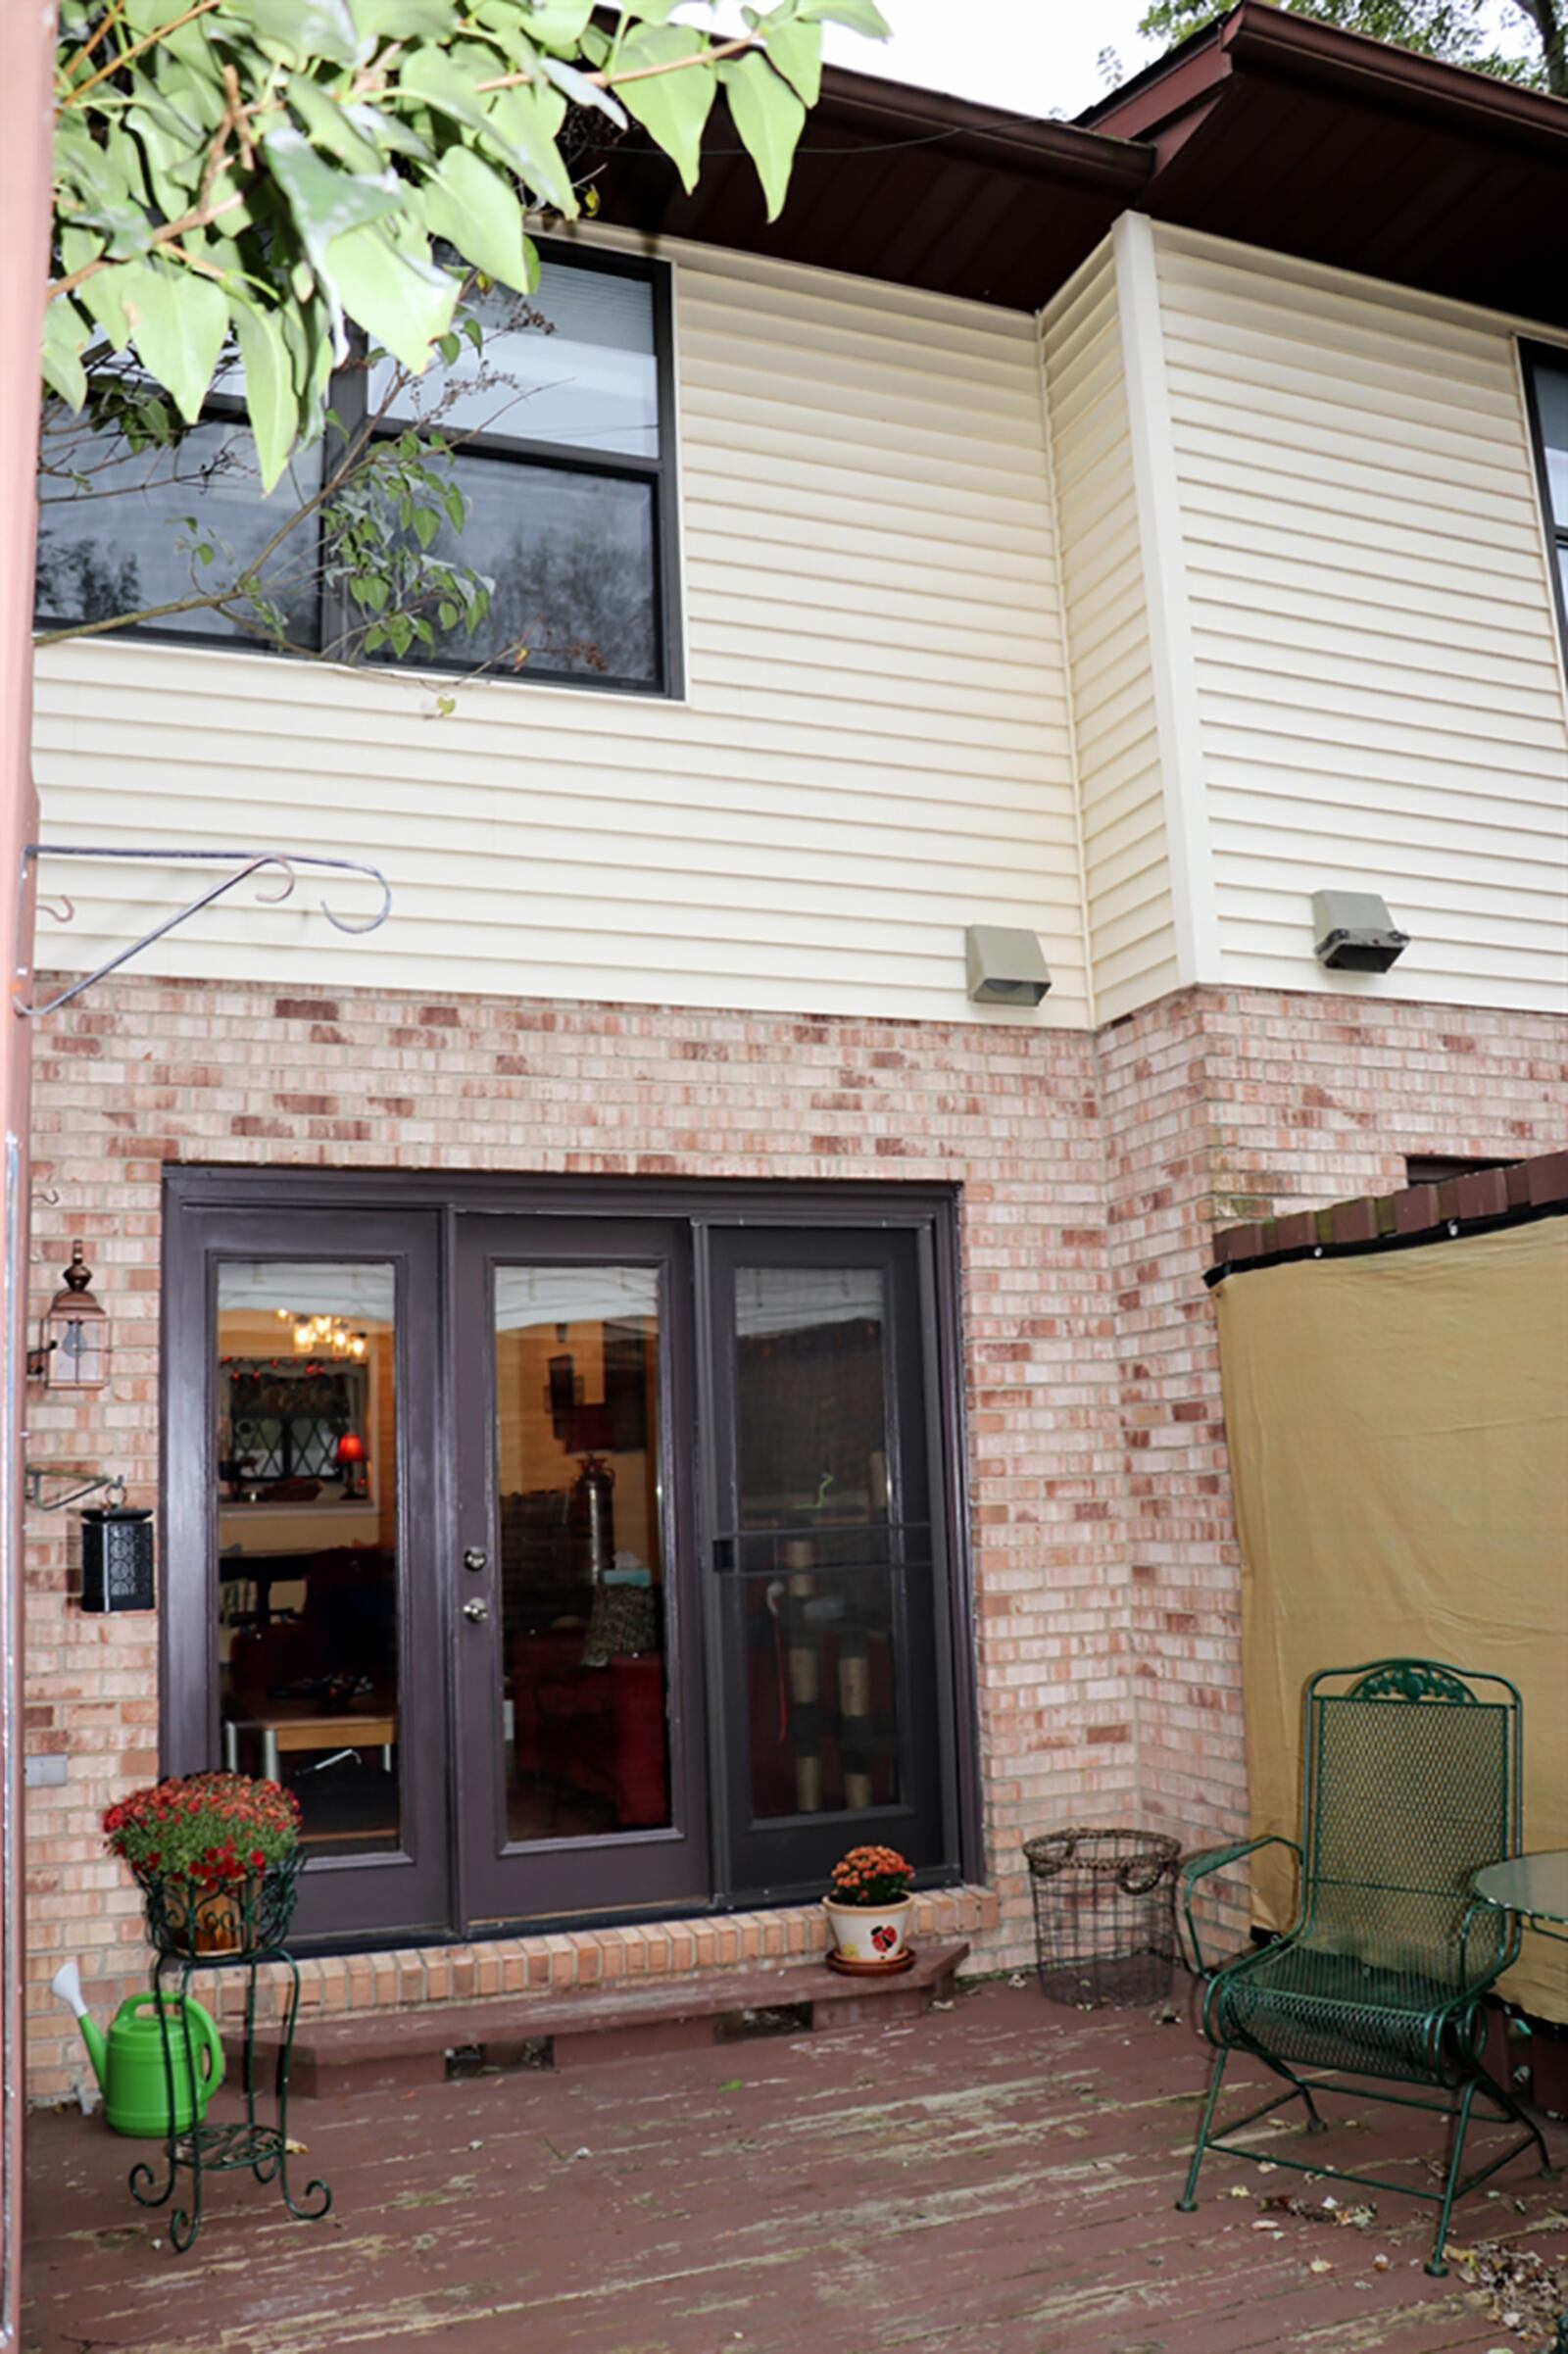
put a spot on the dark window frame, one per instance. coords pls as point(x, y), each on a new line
point(347, 396)
point(1534, 357)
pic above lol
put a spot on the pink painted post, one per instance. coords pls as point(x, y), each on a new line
point(26, 75)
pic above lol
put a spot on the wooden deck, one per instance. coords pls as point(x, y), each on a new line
point(994, 2178)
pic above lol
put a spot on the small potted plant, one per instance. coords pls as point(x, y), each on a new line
point(868, 1910)
point(216, 1856)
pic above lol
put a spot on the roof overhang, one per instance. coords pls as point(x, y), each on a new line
point(1266, 127)
point(1289, 134)
point(902, 184)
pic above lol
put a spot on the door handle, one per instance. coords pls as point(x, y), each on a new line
point(476, 1612)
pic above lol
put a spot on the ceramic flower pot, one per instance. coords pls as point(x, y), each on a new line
point(869, 1937)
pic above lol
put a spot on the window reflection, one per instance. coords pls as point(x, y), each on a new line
point(132, 549)
point(813, 1469)
point(574, 366)
point(307, 1634)
point(570, 561)
point(582, 1563)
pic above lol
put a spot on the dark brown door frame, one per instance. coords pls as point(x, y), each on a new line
point(932, 1210)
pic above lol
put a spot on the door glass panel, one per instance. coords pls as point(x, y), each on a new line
point(811, 1470)
point(307, 1461)
point(583, 1560)
point(812, 1406)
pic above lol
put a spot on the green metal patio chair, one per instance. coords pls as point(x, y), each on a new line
point(1411, 1785)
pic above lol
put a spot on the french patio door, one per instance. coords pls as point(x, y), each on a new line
point(581, 1772)
point(566, 1565)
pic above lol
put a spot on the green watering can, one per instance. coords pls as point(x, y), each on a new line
point(129, 2062)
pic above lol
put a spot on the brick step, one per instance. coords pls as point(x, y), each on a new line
point(584, 2027)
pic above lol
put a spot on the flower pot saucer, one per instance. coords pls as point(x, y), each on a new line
point(901, 1961)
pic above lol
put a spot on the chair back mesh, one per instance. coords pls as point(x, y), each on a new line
point(1411, 1792)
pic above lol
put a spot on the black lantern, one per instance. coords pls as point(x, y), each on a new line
point(117, 1560)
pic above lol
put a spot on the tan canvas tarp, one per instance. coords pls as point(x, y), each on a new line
point(1399, 1442)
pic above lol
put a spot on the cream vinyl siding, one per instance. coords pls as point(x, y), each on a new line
point(873, 753)
point(1127, 884)
point(1379, 675)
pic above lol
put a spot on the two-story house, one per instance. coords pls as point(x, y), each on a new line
point(646, 1371)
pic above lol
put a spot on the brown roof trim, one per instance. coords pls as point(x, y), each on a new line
point(1264, 36)
point(1477, 1202)
point(899, 112)
point(1259, 36)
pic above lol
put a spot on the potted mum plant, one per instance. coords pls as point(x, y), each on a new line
point(216, 1857)
point(868, 1910)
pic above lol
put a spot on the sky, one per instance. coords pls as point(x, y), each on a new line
point(1038, 57)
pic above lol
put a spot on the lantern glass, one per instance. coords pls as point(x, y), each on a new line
point(76, 1333)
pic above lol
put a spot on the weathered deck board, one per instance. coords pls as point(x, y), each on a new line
point(992, 2180)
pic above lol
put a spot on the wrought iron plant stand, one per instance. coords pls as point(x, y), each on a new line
point(193, 1928)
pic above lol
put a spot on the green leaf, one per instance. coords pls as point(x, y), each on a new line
point(582, 91)
point(404, 19)
point(104, 296)
point(477, 211)
point(177, 322)
point(270, 398)
point(403, 302)
point(325, 203)
point(306, 29)
point(522, 127)
point(769, 119)
point(861, 16)
point(64, 335)
point(673, 108)
point(385, 131)
point(427, 525)
point(796, 50)
point(433, 76)
point(563, 22)
point(328, 124)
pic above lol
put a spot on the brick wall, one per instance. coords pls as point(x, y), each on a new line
point(145, 1073)
point(1092, 1173)
point(1221, 1105)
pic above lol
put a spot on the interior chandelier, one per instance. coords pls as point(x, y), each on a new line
point(323, 1335)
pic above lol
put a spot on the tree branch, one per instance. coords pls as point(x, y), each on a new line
point(149, 40)
point(202, 218)
point(614, 81)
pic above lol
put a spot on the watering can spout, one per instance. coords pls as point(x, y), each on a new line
point(66, 1987)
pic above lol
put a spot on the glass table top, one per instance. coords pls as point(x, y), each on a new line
point(1536, 1885)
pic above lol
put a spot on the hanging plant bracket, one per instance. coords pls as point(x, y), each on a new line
point(245, 863)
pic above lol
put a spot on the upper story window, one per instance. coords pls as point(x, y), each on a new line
point(1546, 375)
point(562, 432)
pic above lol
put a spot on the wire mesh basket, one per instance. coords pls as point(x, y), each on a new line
point(1105, 1916)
